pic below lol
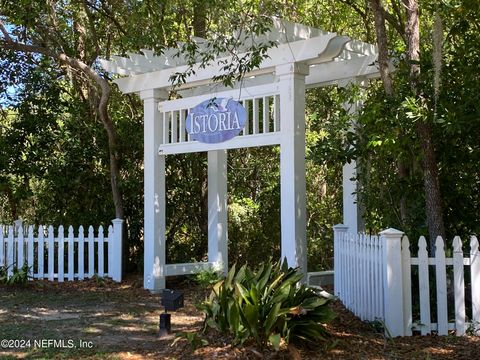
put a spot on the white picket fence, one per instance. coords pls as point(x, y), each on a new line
point(373, 278)
point(62, 257)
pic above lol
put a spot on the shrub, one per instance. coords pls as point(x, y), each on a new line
point(18, 277)
point(267, 305)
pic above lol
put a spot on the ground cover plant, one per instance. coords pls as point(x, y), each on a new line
point(267, 305)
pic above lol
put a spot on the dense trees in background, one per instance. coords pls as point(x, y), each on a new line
point(72, 145)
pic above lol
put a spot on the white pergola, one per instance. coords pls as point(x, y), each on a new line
point(274, 96)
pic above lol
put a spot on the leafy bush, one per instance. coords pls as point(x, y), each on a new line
point(267, 305)
point(207, 278)
point(18, 277)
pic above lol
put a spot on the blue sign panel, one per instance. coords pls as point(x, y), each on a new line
point(216, 120)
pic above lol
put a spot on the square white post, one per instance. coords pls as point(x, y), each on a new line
point(217, 210)
point(352, 213)
point(339, 232)
point(393, 281)
point(154, 192)
point(115, 247)
point(291, 86)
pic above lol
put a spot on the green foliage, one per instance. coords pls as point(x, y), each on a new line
point(194, 339)
point(19, 276)
point(266, 306)
point(206, 278)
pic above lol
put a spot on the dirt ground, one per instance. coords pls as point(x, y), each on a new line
point(99, 319)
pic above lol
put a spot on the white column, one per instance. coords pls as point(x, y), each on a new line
point(291, 86)
point(352, 212)
point(393, 281)
point(154, 193)
point(217, 209)
point(350, 205)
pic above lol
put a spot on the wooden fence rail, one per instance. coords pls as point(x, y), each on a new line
point(55, 256)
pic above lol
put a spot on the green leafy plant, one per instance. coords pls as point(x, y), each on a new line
point(18, 277)
point(194, 339)
point(267, 305)
point(206, 278)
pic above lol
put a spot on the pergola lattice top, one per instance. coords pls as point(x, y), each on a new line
point(331, 58)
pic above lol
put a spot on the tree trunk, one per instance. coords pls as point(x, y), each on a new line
point(378, 14)
point(433, 198)
point(104, 87)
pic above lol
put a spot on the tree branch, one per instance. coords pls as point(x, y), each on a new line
point(8, 43)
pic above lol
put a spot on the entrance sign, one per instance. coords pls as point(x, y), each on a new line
point(274, 95)
point(216, 120)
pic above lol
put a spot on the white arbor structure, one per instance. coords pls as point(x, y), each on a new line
point(274, 96)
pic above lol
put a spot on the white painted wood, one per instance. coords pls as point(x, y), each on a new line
point(81, 253)
point(61, 253)
point(188, 268)
point(217, 209)
point(182, 129)
point(30, 250)
point(350, 207)
point(255, 116)
point(459, 287)
point(266, 114)
point(41, 253)
point(235, 143)
point(424, 287)
point(91, 252)
point(475, 280)
point(71, 253)
point(100, 252)
point(154, 193)
point(20, 247)
point(51, 253)
point(115, 251)
point(276, 113)
point(166, 127)
point(174, 116)
point(2, 247)
point(246, 129)
point(10, 251)
point(338, 262)
point(292, 165)
point(393, 280)
point(407, 287)
point(441, 281)
point(299, 51)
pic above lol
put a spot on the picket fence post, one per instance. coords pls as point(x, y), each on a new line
point(339, 232)
point(475, 279)
point(393, 282)
point(115, 246)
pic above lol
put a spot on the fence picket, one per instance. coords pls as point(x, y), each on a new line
point(30, 257)
point(2, 247)
point(91, 258)
point(475, 279)
point(459, 284)
point(10, 251)
point(61, 254)
point(424, 287)
point(40, 253)
point(101, 268)
point(71, 252)
point(20, 248)
point(407, 286)
point(441, 281)
point(51, 253)
point(81, 257)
